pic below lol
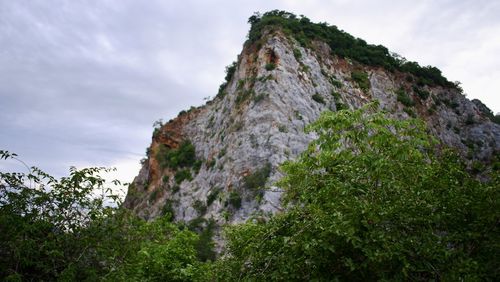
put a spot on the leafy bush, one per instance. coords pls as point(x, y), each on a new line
point(423, 94)
point(258, 178)
point(213, 195)
point(495, 119)
point(316, 97)
point(230, 70)
point(335, 82)
point(183, 156)
point(270, 66)
point(168, 210)
point(59, 230)
point(282, 128)
point(410, 112)
point(200, 207)
point(182, 175)
point(259, 97)
point(165, 253)
point(361, 79)
point(242, 96)
point(404, 98)
point(165, 179)
point(297, 54)
point(154, 195)
point(197, 166)
point(470, 119)
point(372, 199)
point(241, 84)
point(234, 199)
point(335, 94)
point(205, 245)
point(175, 189)
point(454, 104)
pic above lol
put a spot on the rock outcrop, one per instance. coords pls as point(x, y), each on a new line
point(257, 122)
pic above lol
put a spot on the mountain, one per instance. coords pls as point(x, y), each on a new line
point(217, 163)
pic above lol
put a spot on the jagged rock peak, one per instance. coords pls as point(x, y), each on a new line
point(218, 162)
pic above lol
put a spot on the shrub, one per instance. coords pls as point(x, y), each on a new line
point(410, 112)
point(259, 97)
point(454, 104)
point(495, 118)
point(222, 153)
point(266, 78)
point(241, 83)
point(183, 156)
point(200, 207)
point(298, 115)
point(222, 91)
point(175, 189)
point(153, 196)
point(168, 210)
point(335, 82)
point(361, 78)
point(270, 66)
point(205, 245)
point(335, 94)
point(197, 166)
point(470, 119)
point(242, 96)
point(212, 196)
point(404, 98)
point(230, 71)
point(229, 75)
point(258, 178)
point(234, 199)
point(182, 175)
point(340, 106)
point(165, 179)
point(282, 128)
point(423, 94)
point(297, 54)
point(316, 97)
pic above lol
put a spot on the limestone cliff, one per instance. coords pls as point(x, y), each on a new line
point(257, 121)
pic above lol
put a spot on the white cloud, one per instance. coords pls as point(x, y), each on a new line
point(82, 82)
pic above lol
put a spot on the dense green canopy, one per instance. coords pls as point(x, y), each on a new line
point(342, 44)
point(372, 198)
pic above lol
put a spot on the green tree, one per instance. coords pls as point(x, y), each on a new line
point(72, 229)
point(372, 199)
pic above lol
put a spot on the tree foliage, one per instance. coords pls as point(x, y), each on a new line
point(372, 199)
point(72, 229)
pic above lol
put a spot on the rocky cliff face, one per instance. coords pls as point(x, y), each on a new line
point(257, 122)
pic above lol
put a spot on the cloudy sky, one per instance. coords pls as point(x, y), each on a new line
point(81, 82)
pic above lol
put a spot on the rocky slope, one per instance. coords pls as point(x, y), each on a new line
point(257, 122)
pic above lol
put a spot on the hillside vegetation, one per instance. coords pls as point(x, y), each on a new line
point(344, 45)
point(371, 199)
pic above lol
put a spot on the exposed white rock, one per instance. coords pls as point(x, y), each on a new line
point(261, 120)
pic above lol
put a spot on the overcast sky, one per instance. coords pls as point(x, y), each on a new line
point(81, 82)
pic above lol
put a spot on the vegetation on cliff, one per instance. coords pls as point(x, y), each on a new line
point(343, 44)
